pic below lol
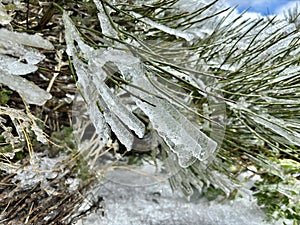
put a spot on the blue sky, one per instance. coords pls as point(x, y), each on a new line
point(264, 7)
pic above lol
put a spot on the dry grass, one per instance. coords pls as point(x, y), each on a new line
point(51, 201)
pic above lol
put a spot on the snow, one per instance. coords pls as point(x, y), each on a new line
point(157, 204)
point(41, 170)
point(5, 18)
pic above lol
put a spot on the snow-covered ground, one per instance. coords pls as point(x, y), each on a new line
point(158, 205)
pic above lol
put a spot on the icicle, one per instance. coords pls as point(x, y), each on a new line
point(92, 77)
point(115, 106)
point(89, 92)
point(124, 135)
point(187, 141)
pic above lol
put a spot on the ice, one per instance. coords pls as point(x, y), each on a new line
point(41, 170)
point(157, 205)
point(85, 80)
point(99, 121)
point(273, 167)
point(278, 127)
point(282, 25)
point(32, 57)
point(40, 136)
point(111, 100)
point(121, 59)
point(4, 17)
point(182, 136)
point(10, 48)
point(188, 142)
point(32, 93)
point(72, 35)
point(14, 67)
point(114, 105)
point(290, 73)
point(124, 135)
point(22, 63)
point(91, 79)
point(240, 105)
point(90, 96)
point(198, 177)
point(188, 36)
point(106, 26)
point(281, 101)
point(25, 39)
point(188, 4)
